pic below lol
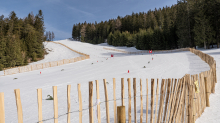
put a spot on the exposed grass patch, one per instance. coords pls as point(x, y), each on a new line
point(49, 97)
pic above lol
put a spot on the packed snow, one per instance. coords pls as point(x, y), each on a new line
point(100, 66)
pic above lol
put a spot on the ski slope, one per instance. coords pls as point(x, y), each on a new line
point(163, 65)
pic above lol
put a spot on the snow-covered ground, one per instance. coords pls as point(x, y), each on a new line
point(56, 52)
point(163, 65)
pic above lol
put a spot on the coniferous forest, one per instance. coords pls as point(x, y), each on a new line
point(188, 23)
point(21, 39)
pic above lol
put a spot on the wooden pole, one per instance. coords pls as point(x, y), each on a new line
point(207, 92)
point(129, 98)
point(2, 108)
point(68, 103)
point(190, 108)
point(161, 101)
point(106, 102)
point(39, 99)
point(173, 101)
point(97, 97)
point(55, 103)
point(167, 98)
point(19, 106)
point(114, 96)
point(80, 103)
point(141, 116)
point(152, 100)
point(90, 102)
point(121, 114)
point(157, 95)
point(122, 92)
point(171, 97)
point(135, 106)
point(146, 100)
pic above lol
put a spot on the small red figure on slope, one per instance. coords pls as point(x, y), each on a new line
point(128, 71)
point(40, 72)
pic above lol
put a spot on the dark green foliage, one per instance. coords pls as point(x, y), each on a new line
point(186, 24)
point(21, 39)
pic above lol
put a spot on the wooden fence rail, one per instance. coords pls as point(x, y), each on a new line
point(181, 100)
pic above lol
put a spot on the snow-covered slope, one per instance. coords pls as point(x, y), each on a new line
point(56, 52)
point(166, 65)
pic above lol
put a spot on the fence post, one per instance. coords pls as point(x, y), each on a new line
point(146, 100)
point(129, 98)
point(68, 103)
point(161, 101)
point(80, 104)
point(114, 96)
point(121, 114)
point(98, 99)
point(190, 108)
point(19, 106)
point(122, 92)
point(39, 99)
point(207, 92)
point(55, 103)
point(157, 93)
point(135, 111)
point(141, 116)
point(90, 102)
point(152, 100)
point(106, 102)
point(2, 108)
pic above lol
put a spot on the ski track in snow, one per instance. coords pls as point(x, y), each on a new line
point(164, 65)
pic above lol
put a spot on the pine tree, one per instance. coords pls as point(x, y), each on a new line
point(52, 35)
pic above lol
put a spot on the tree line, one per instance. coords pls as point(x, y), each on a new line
point(21, 39)
point(49, 36)
point(188, 23)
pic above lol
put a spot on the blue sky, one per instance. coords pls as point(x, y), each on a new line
point(60, 15)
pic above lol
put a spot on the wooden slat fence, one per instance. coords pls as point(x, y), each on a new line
point(154, 51)
point(181, 100)
point(21, 69)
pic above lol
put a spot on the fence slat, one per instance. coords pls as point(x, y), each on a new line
point(115, 106)
point(19, 106)
point(146, 100)
point(135, 106)
point(207, 92)
point(55, 103)
point(180, 111)
point(152, 100)
point(106, 102)
point(122, 92)
point(186, 98)
point(129, 104)
point(198, 99)
point(164, 96)
point(171, 97)
point(157, 95)
point(2, 108)
point(190, 119)
point(167, 98)
point(173, 101)
point(39, 100)
point(161, 101)
point(141, 116)
point(177, 105)
point(68, 103)
point(98, 99)
point(80, 103)
point(90, 102)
